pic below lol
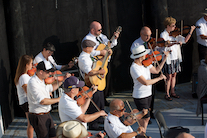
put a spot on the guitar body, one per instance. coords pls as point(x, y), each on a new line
point(97, 80)
point(102, 47)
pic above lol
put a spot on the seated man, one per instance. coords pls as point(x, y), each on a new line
point(46, 55)
point(114, 127)
point(68, 107)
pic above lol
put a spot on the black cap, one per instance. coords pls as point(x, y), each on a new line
point(45, 66)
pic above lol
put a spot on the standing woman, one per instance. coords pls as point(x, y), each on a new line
point(141, 75)
point(21, 79)
point(174, 59)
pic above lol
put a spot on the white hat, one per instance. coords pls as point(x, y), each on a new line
point(71, 129)
point(139, 51)
point(205, 11)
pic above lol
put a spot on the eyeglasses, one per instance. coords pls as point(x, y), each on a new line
point(99, 30)
point(121, 110)
point(49, 52)
point(173, 26)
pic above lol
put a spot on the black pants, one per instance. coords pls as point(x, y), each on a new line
point(98, 99)
point(202, 50)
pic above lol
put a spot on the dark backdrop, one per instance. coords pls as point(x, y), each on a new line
point(65, 22)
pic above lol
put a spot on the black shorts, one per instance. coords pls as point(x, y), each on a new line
point(43, 125)
point(143, 103)
point(25, 107)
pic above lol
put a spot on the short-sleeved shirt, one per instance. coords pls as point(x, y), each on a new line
point(37, 90)
point(201, 31)
point(23, 79)
point(137, 43)
point(85, 63)
point(140, 90)
point(101, 38)
point(69, 109)
point(114, 127)
point(174, 48)
point(52, 62)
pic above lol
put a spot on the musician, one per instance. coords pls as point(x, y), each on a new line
point(95, 35)
point(202, 35)
point(145, 35)
point(141, 75)
point(68, 107)
point(98, 38)
point(21, 79)
point(114, 127)
point(85, 62)
point(39, 100)
point(172, 66)
point(46, 55)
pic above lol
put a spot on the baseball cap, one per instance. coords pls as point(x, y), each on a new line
point(45, 66)
point(73, 82)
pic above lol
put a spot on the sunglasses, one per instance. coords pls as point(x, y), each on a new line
point(100, 30)
point(121, 110)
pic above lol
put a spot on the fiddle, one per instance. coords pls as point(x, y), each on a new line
point(177, 31)
point(32, 71)
point(56, 75)
point(151, 57)
point(130, 118)
point(83, 95)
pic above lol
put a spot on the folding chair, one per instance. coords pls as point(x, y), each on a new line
point(168, 132)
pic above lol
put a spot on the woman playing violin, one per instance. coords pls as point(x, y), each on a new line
point(141, 75)
point(21, 79)
point(173, 61)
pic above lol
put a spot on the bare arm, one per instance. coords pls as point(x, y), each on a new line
point(190, 33)
point(96, 72)
point(48, 101)
point(91, 117)
point(203, 36)
point(128, 135)
point(143, 81)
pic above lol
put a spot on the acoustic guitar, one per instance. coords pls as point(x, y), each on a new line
point(100, 80)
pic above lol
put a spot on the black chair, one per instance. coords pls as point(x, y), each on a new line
point(203, 100)
point(168, 132)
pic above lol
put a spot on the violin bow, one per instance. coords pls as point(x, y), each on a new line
point(135, 117)
point(156, 61)
point(181, 31)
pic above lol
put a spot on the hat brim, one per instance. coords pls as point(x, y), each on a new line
point(204, 13)
point(142, 54)
point(80, 84)
point(50, 70)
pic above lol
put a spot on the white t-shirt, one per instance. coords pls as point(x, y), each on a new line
point(137, 43)
point(68, 109)
point(140, 90)
point(114, 127)
point(85, 63)
point(201, 31)
point(102, 38)
point(23, 79)
point(37, 90)
point(51, 61)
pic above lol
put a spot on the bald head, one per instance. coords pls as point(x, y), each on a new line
point(145, 33)
point(95, 28)
point(116, 104)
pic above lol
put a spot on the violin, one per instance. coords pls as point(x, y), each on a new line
point(32, 71)
point(160, 42)
point(177, 31)
point(150, 58)
point(130, 118)
point(56, 75)
point(83, 95)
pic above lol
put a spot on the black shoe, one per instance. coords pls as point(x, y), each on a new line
point(99, 128)
point(150, 122)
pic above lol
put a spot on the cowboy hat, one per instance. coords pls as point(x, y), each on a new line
point(71, 129)
point(139, 51)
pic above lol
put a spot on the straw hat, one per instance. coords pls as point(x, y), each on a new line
point(139, 51)
point(71, 129)
point(205, 11)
